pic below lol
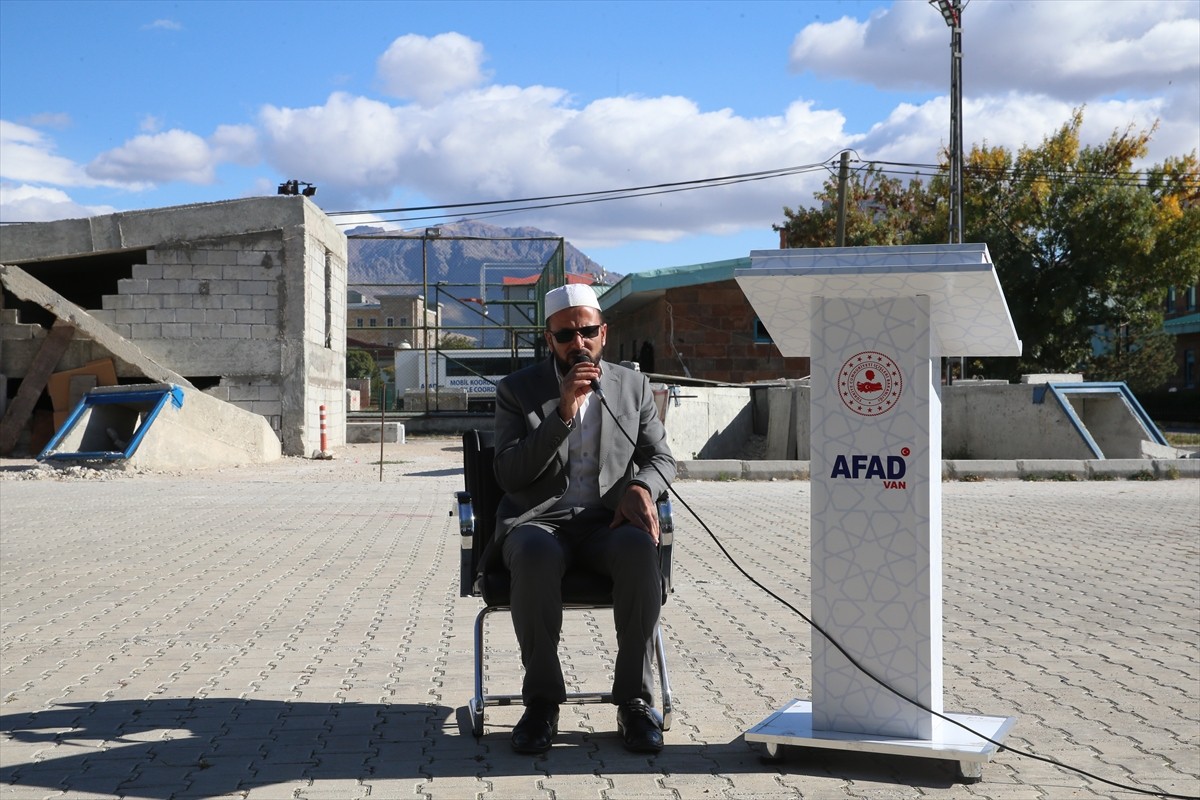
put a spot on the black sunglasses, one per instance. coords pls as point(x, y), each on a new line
point(567, 335)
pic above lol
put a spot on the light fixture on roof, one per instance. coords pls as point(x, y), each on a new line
point(293, 188)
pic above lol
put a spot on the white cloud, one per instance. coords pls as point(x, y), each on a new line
point(919, 133)
point(163, 25)
point(29, 156)
point(1078, 50)
point(353, 140)
point(902, 47)
point(1027, 67)
point(157, 158)
point(176, 155)
point(146, 159)
point(259, 187)
point(24, 203)
point(505, 142)
point(236, 144)
point(1068, 50)
point(428, 69)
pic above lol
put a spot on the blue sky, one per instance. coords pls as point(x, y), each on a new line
point(112, 106)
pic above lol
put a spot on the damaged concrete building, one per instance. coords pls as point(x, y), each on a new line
point(242, 300)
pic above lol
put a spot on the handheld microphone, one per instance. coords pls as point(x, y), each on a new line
point(584, 358)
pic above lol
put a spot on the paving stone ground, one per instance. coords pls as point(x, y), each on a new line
point(295, 631)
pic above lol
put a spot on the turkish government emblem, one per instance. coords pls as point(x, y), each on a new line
point(870, 383)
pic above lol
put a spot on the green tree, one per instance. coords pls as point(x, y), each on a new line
point(1085, 246)
point(1140, 358)
point(456, 341)
point(880, 210)
point(1081, 241)
point(361, 364)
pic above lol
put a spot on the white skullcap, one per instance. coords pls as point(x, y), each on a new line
point(573, 294)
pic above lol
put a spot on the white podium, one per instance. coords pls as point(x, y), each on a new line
point(872, 320)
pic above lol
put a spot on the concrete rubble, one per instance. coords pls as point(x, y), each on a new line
point(200, 431)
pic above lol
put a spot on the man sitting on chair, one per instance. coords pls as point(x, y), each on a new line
point(577, 490)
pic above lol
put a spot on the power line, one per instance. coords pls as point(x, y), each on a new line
point(583, 198)
point(482, 209)
point(499, 212)
point(1143, 179)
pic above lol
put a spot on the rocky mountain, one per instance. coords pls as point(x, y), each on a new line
point(464, 252)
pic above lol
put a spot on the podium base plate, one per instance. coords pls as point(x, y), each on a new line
point(793, 725)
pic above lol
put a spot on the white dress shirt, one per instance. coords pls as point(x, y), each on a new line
point(583, 457)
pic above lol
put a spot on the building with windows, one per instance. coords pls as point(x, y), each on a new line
point(521, 304)
point(392, 321)
point(1182, 321)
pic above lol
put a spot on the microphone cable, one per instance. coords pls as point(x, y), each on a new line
point(855, 663)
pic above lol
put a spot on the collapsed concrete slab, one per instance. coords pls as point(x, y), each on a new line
point(209, 432)
point(161, 426)
point(26, 287)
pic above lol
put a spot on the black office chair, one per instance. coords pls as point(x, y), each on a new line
point(582, 589)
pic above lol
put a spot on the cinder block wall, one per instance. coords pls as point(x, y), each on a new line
point(210, 308)
point(324, 334)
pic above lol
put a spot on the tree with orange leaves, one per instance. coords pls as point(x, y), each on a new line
point(1085, 243)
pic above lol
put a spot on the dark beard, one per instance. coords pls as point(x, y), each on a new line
point(565, 366)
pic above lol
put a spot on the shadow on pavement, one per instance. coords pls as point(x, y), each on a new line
point(204, 747)
point(435, 473)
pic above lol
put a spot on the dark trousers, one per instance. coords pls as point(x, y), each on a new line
point(537, 555)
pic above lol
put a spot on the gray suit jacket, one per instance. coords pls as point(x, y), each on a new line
point(531, 442)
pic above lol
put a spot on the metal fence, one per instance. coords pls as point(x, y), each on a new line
point(440, 293)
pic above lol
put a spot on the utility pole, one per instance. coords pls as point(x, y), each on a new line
point(951, 11)
point(429, 367)
point(843, 177)
point(956, 138)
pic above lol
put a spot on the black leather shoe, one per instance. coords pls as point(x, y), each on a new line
point(640, 727)
point(535, 732)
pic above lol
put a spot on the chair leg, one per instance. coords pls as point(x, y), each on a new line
point(476, 705)
point(660, 655)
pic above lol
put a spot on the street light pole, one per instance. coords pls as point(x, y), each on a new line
point(951, 11)
point(956, 144)
point(425, 237)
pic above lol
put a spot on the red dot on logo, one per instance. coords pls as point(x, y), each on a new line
point(870, 374)
point(904, 451)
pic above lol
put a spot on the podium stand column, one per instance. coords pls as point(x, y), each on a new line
point(876, 515)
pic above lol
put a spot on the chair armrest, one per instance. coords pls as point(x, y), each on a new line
point(466, 531)
point(666, 520)
point(666, 538)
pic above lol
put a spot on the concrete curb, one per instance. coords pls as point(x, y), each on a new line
point(961, 470)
